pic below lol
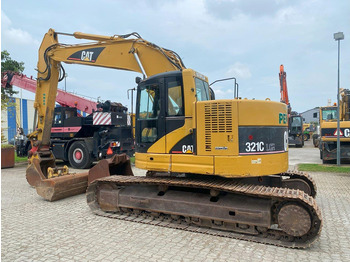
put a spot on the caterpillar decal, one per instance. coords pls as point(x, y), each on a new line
point(88, 55)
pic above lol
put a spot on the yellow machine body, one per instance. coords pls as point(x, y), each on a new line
point(329, 129)
point(217, 127)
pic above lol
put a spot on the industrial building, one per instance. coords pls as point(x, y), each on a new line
point(20, 113)
point(311, 115)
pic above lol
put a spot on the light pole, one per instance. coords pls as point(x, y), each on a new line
point(65, 83)
point(337, 37)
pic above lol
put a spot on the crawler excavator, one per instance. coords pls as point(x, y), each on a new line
point(217, 167)
point(329, 131)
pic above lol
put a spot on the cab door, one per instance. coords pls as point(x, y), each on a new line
point(150, 117)
point(175, 116)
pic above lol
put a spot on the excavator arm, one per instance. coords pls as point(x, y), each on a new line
point(283, 88)
point(125, 52)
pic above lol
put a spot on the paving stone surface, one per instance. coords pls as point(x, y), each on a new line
point(36, 230)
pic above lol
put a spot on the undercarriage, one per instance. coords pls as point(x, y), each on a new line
point(278, 210)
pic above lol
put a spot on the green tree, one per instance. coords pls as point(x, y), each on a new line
point(7, 64)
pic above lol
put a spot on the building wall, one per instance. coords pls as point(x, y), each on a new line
point(312, 115)
point(11, 119)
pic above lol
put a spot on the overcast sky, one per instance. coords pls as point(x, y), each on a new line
point(240, 38)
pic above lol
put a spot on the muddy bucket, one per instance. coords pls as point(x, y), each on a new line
point(70, 184)
point(116, 165)
point(63, 186)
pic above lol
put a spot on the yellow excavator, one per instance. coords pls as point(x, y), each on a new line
point(217, 167)
point(329, 131)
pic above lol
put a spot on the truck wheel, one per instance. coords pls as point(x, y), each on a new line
point(79, 156)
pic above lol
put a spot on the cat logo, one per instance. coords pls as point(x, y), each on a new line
point(89, 55)
point(187, 149)
point(86, 56)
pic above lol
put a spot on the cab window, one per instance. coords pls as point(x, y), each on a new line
point(175, 99)
point(69, 114)
point(149, 102)
point(202, 90)
point(296, 121)
point(149, 109)
point(329, 114)
point(57, 118)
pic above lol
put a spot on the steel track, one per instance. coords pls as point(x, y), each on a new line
point(279, 196)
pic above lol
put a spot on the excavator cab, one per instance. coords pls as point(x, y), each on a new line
point(159, 110)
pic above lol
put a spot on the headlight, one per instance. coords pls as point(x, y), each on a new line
point(115, 144)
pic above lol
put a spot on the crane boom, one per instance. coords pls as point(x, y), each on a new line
point(63, 98)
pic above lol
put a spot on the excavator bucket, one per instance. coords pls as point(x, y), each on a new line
point(64, 184)
point(60, 187)
point(116, 165)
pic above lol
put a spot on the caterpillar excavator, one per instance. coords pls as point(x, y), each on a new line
point(216, 167)
point(329, 131)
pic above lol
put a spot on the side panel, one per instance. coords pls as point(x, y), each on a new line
point(193, 164)
point(245, 137)
point(256, 140)
point(155, 162)
point(176, 139)
point(58, 149)
point(329, 133)
point(262, 113)
point(217, 127)
point(251, 165)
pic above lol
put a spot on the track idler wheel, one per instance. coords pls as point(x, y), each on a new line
point(294, 219)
